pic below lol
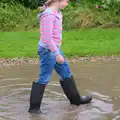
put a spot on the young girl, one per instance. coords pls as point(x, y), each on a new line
point(51, 57)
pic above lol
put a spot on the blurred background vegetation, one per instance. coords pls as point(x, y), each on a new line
point(21, 15)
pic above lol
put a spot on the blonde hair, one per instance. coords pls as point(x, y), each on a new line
point(46, 4)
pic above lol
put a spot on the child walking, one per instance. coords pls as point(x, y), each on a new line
point(51, 57)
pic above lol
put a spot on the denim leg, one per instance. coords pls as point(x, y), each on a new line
point(63, 69)
point(47, 63)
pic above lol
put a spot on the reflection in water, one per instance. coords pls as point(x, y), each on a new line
point(101, 79)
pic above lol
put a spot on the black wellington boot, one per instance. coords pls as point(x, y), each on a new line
point(70, 90)
point(36, 97)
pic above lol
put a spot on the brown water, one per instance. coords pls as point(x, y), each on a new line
point(101, 79)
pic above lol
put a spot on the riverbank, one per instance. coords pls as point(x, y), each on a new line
point(18, 48)
point(21, 61)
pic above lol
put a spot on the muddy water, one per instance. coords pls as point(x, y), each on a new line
point(101, 79)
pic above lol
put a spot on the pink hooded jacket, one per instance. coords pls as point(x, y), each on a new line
point(51, 30)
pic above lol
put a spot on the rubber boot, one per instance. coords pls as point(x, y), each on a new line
point(70, 90)
point(36, 97)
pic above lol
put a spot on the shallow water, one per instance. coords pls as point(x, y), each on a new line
point(101, 79)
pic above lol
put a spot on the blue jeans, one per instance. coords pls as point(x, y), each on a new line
point(48, 63)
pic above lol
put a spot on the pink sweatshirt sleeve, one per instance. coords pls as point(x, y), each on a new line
point(46, 31)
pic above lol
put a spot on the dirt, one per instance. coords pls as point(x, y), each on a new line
point(19, 61)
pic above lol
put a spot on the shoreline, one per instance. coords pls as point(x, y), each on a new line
point(27, 60)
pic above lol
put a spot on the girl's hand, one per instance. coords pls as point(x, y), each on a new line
point(59, 59)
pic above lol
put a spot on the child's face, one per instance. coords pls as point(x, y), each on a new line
point(63, 4)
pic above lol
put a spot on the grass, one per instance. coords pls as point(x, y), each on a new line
point(84, 42)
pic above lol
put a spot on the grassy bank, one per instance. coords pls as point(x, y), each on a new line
point(90, 42)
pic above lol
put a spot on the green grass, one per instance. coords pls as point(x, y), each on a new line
point(86, 42)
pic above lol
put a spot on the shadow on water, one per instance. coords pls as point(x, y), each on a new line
point(101, 79)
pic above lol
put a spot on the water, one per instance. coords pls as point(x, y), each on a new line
point(101, 79)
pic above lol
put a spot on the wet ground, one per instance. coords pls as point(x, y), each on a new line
point(101, 79)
